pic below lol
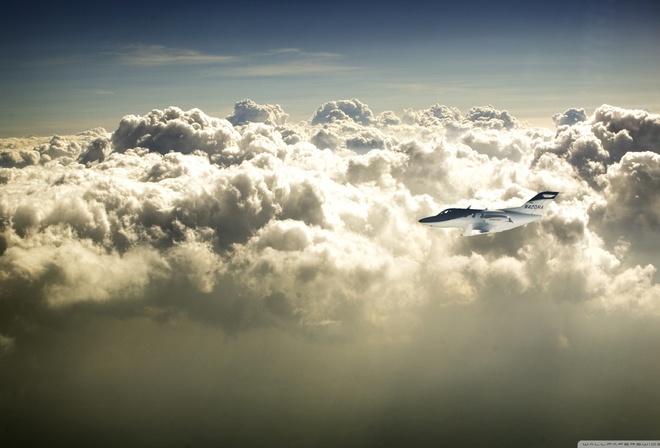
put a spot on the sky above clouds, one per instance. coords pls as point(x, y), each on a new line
point(209, 236)
point(68, 68)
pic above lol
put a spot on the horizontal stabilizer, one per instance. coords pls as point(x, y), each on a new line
point(537, 205)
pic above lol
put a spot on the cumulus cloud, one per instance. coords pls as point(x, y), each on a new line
point(15, 154)
point(624, 130)
point(437, 114)
point(632, 204)
point(569, 117)
point(87, 146)
point(491, 118)
point(247, 111)
point(591, 145)
point(278, 271)
point(172, 130)
point(352, 110)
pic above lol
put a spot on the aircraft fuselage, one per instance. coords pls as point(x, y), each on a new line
point(496, 220)
point(477, 221)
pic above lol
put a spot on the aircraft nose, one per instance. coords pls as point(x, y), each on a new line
point(426, 220)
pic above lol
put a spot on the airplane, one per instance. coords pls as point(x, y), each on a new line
point(479, 222)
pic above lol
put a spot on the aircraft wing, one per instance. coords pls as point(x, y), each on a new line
point(467, 231)
point(477, 229)
point(495, 222)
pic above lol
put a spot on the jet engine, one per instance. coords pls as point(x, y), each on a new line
point(495, 218)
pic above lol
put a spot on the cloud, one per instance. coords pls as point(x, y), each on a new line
point(7, 344)
point(290, 68)
point(343, 110)
point(249, 272)
point(623, 130)
point(435, 115)
point(451, 117)
point(495, 144)
point(631, 204)
point(89, 145)
point(569, 117)
point(174, 130)
point(283, 62)
point(158, 55)
point(247, 111)
point(491, 118)
point(591, 144)
point(93, 91)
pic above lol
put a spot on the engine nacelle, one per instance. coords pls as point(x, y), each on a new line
point(495, 217)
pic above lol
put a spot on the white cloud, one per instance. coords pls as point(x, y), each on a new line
point(174, 130)
point(35, 150)
point(301, 240)
point(301, 67)
point(435, 115)
point(283, 62)
point(201, 181)
point(247, 111)
point(633, 290)
point(158, 55)
point(569, 117)
point(490, 117)
point(343, 110)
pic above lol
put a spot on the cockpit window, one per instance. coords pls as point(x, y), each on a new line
point(446, 211)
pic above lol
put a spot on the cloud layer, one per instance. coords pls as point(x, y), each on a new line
point(278, 271)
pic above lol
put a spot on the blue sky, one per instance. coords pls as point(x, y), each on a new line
point(68, 68)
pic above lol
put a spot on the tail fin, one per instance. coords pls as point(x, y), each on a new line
point(536, 205)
